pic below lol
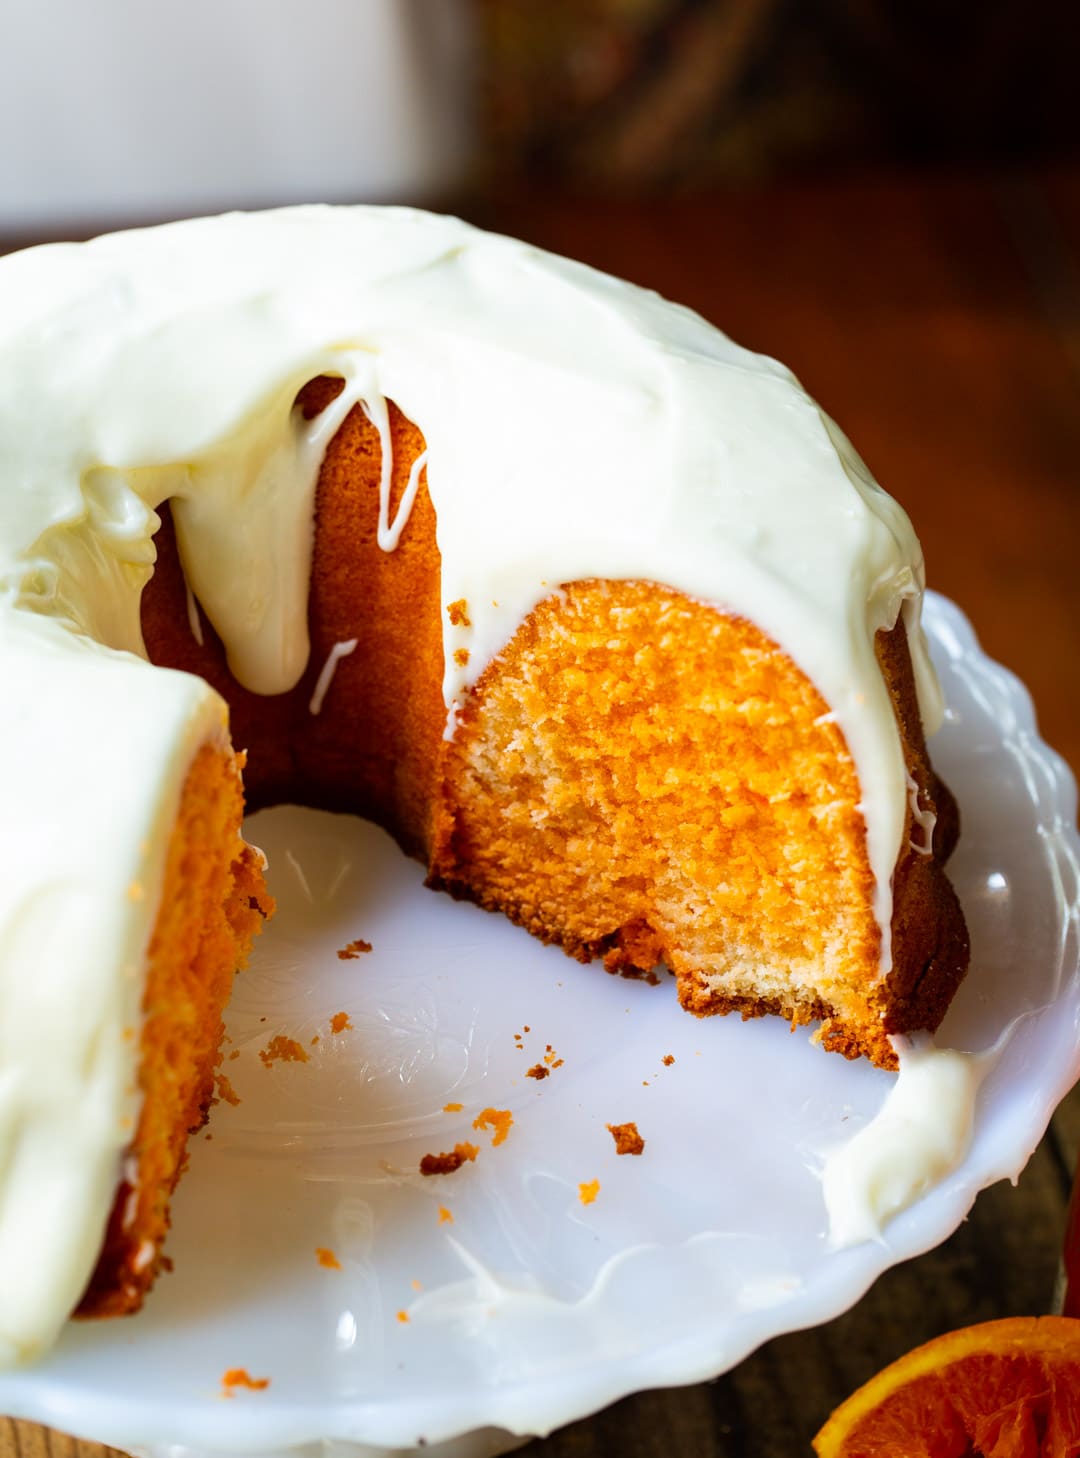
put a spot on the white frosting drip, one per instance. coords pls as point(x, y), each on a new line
point(576, 427)
point(920, 1135)
point(329, 668)
point(390, 534)
point(194, 621)
point(926, 820)
point(130, 1169)
point(144, 1255)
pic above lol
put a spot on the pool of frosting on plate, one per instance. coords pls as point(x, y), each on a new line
point(920, 1134)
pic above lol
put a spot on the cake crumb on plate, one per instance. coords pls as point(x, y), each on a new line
point(237, 1377)
point(498, 1120)
point(627, 1139)
point(439, 1164)
point(282, 1050)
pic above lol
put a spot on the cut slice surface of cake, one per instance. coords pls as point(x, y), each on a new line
point(595, 611)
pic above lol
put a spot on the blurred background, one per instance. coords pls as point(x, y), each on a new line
point(681, 95)
point(124, 109)
point(883, 193)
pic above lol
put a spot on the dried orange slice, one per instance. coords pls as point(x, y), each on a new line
point(1003, 1389)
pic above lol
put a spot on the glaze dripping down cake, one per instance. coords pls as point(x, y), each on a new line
point(595, 611)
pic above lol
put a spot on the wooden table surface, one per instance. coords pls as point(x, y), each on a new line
point(938, 318)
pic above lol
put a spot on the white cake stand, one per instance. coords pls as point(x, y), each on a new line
point(528, 1308)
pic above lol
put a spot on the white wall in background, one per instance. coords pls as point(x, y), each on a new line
point(117, 110)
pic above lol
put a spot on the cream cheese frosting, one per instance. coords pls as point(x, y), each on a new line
point(576, 427)
point(920, 1134)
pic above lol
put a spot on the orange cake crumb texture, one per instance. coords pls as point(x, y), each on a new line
point(238, 1377)
point(537, 1071)
point(445, 1217)
point(213, 903)
point(440, 1164)
point(452, 1108)
point(339, 1023)
point(498, 1120)
point(626, 1137)
point(327, 1258)
point(623, 717)
point(356, 948)
point(458, 613)
point(225, 1089)
point(588, 1191)
point(403, 1316)
point(282, 1050)
point(668, 1059)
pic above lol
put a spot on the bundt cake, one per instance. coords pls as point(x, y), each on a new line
point(594, 610)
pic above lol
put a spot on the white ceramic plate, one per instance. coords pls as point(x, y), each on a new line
point(530, 1308)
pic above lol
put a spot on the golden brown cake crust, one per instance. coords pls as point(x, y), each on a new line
point(930, 939)
point(376, 747)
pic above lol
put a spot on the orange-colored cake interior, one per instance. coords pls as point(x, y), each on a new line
point(213, 903)
point(643, 779)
